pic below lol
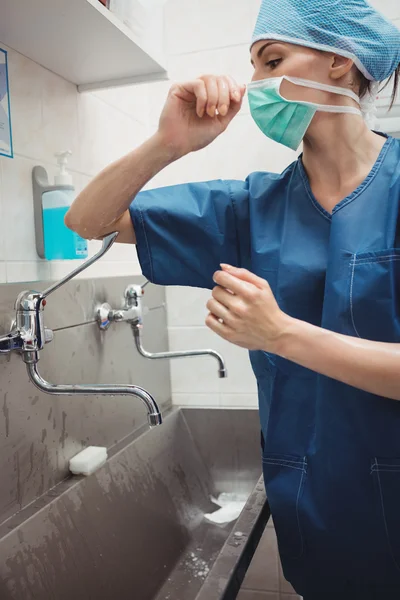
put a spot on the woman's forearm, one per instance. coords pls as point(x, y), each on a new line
point(370, 366)
point(108, 196)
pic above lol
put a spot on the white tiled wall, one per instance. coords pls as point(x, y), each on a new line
point(49, 115)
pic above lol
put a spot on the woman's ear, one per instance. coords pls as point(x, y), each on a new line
point(340, 66)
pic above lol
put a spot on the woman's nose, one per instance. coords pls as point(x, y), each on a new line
point(258, 75)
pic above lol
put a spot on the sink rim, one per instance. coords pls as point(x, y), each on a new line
point(228, 572)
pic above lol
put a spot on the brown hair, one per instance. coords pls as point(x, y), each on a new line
point(365, 85)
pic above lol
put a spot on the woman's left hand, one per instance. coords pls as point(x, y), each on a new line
point(243, 310)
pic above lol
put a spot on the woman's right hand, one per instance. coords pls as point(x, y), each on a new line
point(198, 111)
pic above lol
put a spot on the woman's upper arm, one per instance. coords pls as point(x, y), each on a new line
point(126, 230)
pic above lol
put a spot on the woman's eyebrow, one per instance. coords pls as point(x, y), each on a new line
point(261, 50)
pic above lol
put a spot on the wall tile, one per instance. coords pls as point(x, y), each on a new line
point(204, 26)
point(133, 100)
point(30, 271)
point(200, 374)
point(59, 129)
point(115, 269)
point(105, 133)
point(240, 400)
point(195, 374)
point(187, 306)
point(193, 399)
point(26, 80)
point(215, 400)
point(44, 112)
point(102, 268)
point(3, 272)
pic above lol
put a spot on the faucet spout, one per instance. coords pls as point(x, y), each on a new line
point(153, 412)
point(29, 335)
point(222, 371)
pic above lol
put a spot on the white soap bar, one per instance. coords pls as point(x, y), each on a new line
point(88, 461)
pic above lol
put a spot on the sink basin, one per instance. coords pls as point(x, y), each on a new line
point(136, 530)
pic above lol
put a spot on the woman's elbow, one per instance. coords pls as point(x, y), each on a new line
point(68, 220)
point(78, 225)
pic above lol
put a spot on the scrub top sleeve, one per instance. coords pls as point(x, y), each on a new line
point(185, 231)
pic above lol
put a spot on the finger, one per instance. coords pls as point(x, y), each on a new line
point(243, 289)
point(223, 96)
point(224, 296)
point(236, 90)
point(244, 274)
point(196, 90)
point(219, 310)
point(234, 305)
point(212, 94)
point(220, 328)
point(234, 109)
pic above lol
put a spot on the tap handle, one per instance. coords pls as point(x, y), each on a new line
point(108, 241)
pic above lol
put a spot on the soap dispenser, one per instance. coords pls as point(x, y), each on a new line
point(54, 241)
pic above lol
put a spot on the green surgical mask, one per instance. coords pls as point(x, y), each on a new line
point(287, 121)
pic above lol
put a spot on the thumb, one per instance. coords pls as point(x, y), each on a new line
point(244, 275)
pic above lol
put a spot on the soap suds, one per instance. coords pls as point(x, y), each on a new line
point(231, 505)
point(197, 566)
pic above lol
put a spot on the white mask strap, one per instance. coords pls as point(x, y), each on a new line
point(324, 87)
point(350, 110)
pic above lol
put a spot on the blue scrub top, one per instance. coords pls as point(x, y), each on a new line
point(332, 452)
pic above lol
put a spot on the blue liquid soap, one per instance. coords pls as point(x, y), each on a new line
point(60, 243)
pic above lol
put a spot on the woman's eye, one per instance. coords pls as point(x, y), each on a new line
point(274, 63)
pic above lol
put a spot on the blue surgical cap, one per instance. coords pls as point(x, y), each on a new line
point(350, 28)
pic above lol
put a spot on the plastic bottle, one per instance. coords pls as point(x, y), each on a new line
point(60, 243)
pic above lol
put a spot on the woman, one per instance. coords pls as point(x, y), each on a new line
point(309, 279)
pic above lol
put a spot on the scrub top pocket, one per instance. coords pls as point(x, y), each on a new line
point(375, 295)
point(285, 477)
point(386, 475)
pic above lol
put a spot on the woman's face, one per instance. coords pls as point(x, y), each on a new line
point(275, 59)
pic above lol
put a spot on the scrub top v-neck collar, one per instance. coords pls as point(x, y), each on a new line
point(356, 193)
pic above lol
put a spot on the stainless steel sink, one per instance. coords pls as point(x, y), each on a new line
point(135, 530)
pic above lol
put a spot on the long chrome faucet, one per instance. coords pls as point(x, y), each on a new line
point(132, 312)
point(29, 336)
